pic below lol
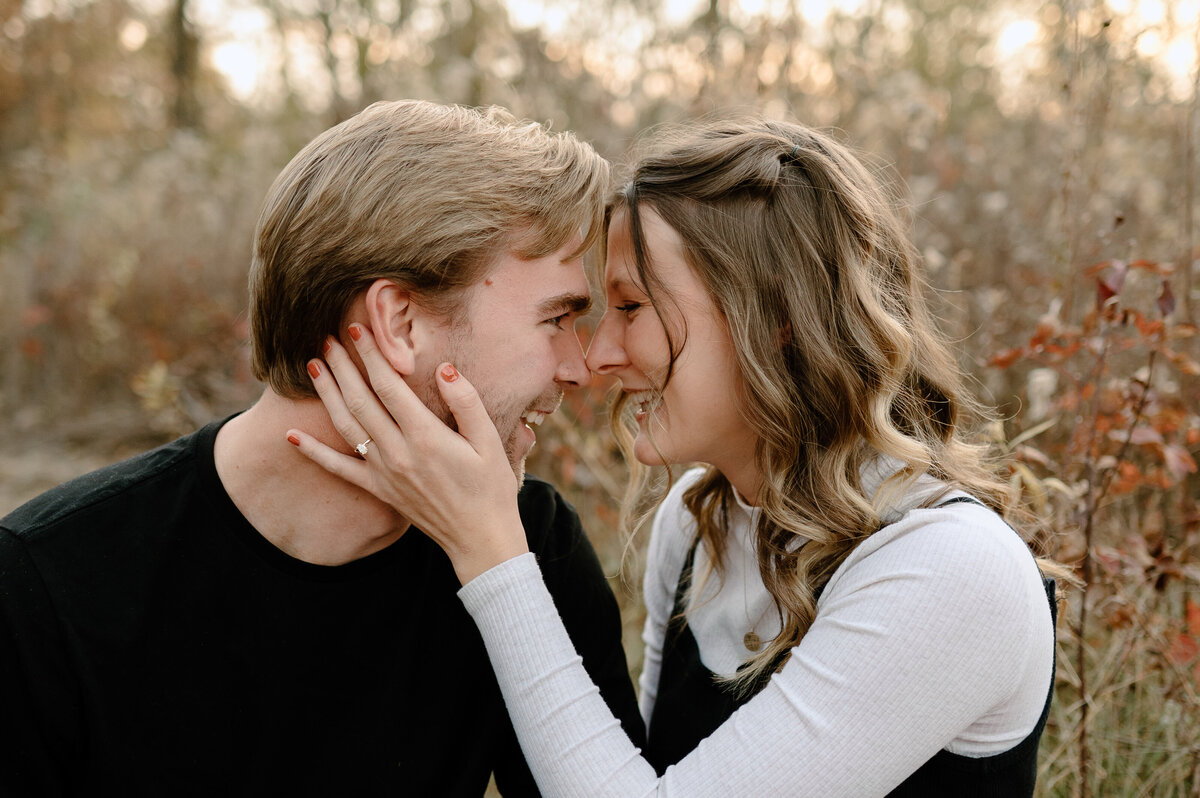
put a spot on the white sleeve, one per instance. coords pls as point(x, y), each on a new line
point(905, 653)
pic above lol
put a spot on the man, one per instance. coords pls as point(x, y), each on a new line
point(220, 616)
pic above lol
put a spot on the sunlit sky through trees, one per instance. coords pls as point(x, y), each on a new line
point(246, 45)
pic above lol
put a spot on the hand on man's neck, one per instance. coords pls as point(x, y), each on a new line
point(295, 504)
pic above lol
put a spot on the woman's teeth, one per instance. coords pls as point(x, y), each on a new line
point(643, 401)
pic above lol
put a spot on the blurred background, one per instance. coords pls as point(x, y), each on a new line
point(1048, 151)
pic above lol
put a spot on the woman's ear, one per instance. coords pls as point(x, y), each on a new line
point(390, 314)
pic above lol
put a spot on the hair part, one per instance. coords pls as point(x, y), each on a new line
point(426, 195)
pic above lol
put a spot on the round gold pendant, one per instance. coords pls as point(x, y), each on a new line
point(752, 641)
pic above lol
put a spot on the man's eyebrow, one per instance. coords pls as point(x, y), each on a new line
point(565, 303)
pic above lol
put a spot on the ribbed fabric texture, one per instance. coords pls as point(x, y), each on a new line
point(934, 632)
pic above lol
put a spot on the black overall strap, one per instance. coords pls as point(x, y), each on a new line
point(690, 704)
point(691, 701)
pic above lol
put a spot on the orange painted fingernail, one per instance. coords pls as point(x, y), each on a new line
point(314, 370)
point(328, 345)
point(449, 373)
point(293, 439)
point(355, 331)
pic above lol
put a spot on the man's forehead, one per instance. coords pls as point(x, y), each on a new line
point(552, 282)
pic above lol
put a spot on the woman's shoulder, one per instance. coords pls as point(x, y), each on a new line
point(953, 551)
point(957, 527)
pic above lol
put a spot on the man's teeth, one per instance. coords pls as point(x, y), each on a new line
point(534, 417)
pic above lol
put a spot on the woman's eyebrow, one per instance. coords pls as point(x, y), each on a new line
point(623, 284)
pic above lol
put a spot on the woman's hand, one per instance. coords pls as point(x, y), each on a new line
point(457, 487)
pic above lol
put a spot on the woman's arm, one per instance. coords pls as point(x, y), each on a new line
point(908, 649)
point(905, 654)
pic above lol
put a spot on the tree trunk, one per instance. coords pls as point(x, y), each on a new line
point(184, 50)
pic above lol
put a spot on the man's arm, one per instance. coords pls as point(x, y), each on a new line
point(38, 725)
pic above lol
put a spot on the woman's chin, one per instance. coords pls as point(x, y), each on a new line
point(646, 452)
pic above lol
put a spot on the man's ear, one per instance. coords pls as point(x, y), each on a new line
point(391, 314)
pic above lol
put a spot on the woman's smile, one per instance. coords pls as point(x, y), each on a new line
point(694, 415)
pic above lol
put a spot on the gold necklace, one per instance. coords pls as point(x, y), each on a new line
point(751, 639)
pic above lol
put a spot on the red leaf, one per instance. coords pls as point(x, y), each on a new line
point(1007, 358)
point(1097, 268)
point(32, 347)
point(1148, 265)
point(1183, 650)
point(1104, 293)
point(1182, 331)
point(1147, 328)
point(1192, 611)
point(1166, 299)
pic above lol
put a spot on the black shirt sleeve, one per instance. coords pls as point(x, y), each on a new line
point(39, 724)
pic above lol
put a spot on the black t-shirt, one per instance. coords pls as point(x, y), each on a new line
point(152, 643)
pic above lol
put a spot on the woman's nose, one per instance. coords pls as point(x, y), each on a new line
point(606, 352)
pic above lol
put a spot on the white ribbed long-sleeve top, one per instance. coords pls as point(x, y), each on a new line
point(933, 634)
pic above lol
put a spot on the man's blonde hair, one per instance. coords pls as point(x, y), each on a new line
point(423, 194)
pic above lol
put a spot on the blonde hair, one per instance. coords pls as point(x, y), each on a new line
point(809, 263)
point(423, 194)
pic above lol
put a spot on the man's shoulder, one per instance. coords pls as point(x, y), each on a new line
point(542, 505)
point(552, 525)
point(538, 493)
point(115, 484)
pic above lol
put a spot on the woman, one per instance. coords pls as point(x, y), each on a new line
point(835, 605)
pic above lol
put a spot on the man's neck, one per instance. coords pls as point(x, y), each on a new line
point(295, 504)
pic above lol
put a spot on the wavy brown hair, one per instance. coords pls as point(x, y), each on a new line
point(804, 253)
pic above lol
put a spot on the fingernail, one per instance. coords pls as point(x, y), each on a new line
point(314, 370)
point(355, 331)
point(449, 373)
point(328, 345)
point(293, 439)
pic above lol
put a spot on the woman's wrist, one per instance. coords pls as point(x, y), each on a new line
point(487, 549)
